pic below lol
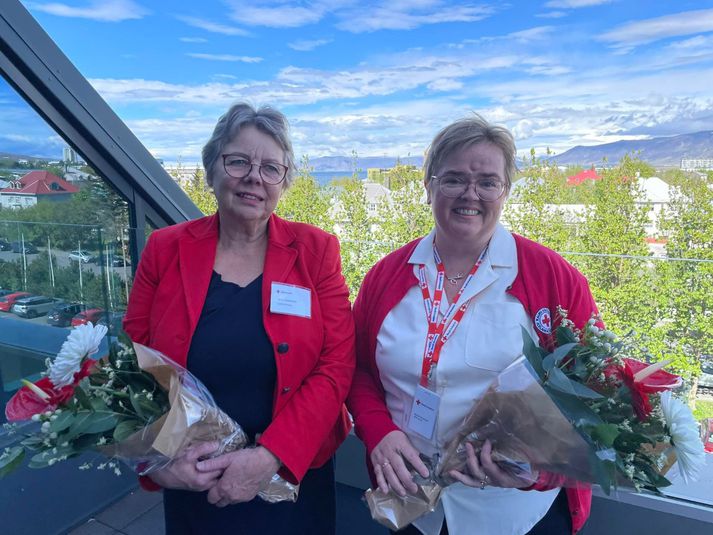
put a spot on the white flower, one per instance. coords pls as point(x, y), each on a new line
point(82, 341)
point(684, 437)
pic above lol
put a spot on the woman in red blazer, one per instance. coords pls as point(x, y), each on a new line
point(257, 308)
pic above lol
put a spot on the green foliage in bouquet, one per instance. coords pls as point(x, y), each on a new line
point(114, 399)
point(611, 400)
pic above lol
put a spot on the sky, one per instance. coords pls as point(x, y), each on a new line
point(381, 77)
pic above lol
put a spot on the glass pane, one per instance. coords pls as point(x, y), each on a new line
point(64, 245)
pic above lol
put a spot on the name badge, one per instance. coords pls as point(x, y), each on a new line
point(424, 412)
point(290, 299)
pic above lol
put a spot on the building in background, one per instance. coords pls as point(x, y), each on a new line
point(36, 187)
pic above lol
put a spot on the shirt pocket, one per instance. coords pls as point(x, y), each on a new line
point(494, 335)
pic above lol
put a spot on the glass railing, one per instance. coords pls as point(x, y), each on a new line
point(54, 277)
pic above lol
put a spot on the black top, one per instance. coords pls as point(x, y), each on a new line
point(231, 353)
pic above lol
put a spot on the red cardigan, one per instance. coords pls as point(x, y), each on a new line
point(544, 281)
point(314, 357)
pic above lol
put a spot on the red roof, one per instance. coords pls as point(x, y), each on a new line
point(41, 183)
point(588, 174)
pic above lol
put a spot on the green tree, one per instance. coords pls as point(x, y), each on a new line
point(535, 207)
point(306, 201)
point(613, 231)
point(354, 227)
point(404, 216)
point(685, 328)
point(197, 189)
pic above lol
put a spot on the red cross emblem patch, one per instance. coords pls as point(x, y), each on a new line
point(543, 321)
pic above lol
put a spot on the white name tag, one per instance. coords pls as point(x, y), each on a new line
point(290, 299)
point(424, 412)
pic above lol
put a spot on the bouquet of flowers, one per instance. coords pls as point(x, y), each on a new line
point(134, 405)
point(584, 412)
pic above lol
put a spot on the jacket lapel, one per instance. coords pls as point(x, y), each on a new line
point(196, 253)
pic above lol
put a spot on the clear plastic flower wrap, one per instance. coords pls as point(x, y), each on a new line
point(580, 414)
point(192, 417)
point(134, 405)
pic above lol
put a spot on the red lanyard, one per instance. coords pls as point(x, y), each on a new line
point(438, 332)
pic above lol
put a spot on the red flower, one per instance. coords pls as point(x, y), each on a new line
point(26, 403)
point(642, 385)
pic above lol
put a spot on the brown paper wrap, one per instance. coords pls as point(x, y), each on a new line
point(193, 418)
point(394, 512)
point(528, 433)
point(526, 429)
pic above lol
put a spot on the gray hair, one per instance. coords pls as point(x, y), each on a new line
point(464, 133)
point(266, 119)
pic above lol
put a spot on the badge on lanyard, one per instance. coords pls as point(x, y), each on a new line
point(424, 410)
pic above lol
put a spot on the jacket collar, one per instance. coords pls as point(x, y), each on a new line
point(197, 257)
point(501, 250)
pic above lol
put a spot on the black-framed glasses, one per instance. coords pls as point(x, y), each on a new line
point(487, 189)
point(238, 166)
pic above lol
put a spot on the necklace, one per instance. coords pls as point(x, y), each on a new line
point(454, 280)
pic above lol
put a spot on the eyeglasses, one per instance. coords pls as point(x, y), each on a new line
point(239, 166)
point(487, 190)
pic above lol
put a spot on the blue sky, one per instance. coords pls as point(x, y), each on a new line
point(381, 77)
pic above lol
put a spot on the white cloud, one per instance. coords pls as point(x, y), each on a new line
point(552, 15)
point(99, 10)
point(277, 13)
point(574, 4)
point(531, 34)
point(225, 57)
point(193, 40)
point(409, 15)
point(307, 45)
point(445, 84)
point(646, 31)
point(212, 27)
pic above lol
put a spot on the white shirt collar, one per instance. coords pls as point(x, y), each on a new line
point(501, 251)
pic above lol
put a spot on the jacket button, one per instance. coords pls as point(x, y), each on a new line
point(283, 347)
point(575, 512)
point(286, 390)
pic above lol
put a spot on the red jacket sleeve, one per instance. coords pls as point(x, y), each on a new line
point(300, 429)
point(366, 401)
point(138, 313)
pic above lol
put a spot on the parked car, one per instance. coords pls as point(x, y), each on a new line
point(7, 301)
point(118, 261)
point(707, 434)
point(29, 248)
point(36, 305)
point(80, 256)
point(5, 245)
point(61, 315)
point(706, 378)
point(91, 314)
point(113, 321)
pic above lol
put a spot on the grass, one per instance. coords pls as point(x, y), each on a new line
point(704, 409)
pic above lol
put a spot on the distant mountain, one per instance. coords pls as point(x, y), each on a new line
point(346, 163)
point(658, 151)
point(12, 156)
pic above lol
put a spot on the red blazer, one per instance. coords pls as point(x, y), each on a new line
point(314, 356)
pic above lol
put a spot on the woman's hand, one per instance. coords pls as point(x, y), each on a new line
point(389, 466)
point(182, 472)
point(245, 473)
point(485, 471)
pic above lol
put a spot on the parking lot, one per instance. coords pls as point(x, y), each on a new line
point(63, 260)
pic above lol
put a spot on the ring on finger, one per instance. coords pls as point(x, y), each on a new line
point(486, 479)
point(385, 464)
